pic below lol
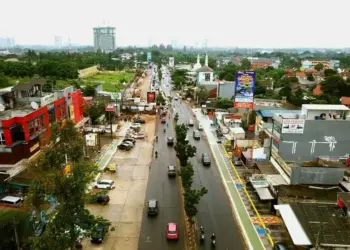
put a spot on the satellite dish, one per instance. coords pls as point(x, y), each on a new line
point(34, 105)
point(2, 107)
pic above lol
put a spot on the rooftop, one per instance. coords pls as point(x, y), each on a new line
point(324, 221)
point(204, 69)
point(325, 107)
point(272, 112)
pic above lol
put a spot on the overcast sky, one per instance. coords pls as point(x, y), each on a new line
point(242, 23)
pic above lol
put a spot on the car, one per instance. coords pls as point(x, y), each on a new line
point(125, 146)
point(196, 135)
point(163, 120)
point(200, 127)
point(206, 159)
point(140, 120)
point(237, 161)
point(171, 171)
point(99, 231)
point(280, 246)
point(176, 98)
point(172, 231)
point(132, 140)
point(138, 135)
point(152, 207)
point(135, 125)
point(102, 199)
point(105, 184)
point(170, 141)
point(190, 123)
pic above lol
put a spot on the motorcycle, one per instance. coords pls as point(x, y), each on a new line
point(213, 243)
point(156, 154)
point(202, 236)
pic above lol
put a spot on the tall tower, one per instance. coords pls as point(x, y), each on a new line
point(104, 39)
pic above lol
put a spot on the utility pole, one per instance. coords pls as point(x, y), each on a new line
point(319, 235)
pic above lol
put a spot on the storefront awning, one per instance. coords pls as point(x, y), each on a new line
point(264, 194)
point(229, 137)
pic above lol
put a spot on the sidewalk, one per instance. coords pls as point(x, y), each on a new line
point(250, 234)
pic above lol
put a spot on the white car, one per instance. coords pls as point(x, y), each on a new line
point(138, 136)
point(135, 125)
point(176, 98)
point(200, 127)
point(105, 184)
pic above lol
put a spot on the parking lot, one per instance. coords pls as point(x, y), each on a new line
point(127, 200)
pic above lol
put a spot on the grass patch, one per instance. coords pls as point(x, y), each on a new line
point(111, 81)
point(13, 80)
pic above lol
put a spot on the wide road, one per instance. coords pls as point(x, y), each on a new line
point(214, 210)
point(166, 191)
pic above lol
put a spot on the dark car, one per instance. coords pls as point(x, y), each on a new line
point(219, 133)
point(280, 246)
point(237, 161)
point(124, 146)
point(99, 231)
point(102, 199)
point(170, 141)
point(206, 159)
point(152, 207)
point(139, 120)
point(132, 140)
point(163, 120)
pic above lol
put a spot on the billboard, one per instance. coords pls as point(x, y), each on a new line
point(171, 61)
point(91, 139)
point(149, 56)
point(293, 126)
point(244, 90)
point(151, 97)
point(110, 107)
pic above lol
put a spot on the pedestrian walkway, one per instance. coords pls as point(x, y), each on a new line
point(249, 231)
point(107, 155)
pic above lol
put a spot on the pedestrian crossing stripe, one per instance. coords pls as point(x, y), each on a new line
point(267, 220)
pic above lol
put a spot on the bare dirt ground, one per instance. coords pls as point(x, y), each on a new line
point(145, 86)
point(127, 200)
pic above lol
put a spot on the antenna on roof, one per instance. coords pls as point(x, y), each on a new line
point(2, 107)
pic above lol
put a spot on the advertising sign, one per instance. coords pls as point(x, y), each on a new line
point(71, 111)
point(151, 97)
point(171, 61)
point(91, 139)
point(110, 107)
point(244, 89)
point(149, 56)
point(293, 126)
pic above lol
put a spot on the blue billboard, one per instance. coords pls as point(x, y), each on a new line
point(149, 56)
point(244, 89)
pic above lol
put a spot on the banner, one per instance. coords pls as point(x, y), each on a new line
point(110, 107)
point(151, 97)
point(149, 56)
point(244, 90)
point(171, 62)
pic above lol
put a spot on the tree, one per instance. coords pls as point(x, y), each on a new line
point(202, 93)
point(89, 90)
point(192, 198)
point(329, 72)
point(335, 86)
point(223, 103)
point(285, 91)
point(245, 64)
point(95, 110)
point(319, 67)
point(160, 99)
point(183, 149)
point(4, 82)
point(67, 185)
point(310, 77)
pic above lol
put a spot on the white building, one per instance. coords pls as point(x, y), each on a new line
point(205, 75)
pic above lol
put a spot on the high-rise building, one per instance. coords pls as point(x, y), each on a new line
point(58, 41)
point(7, 42)
point(104, 39)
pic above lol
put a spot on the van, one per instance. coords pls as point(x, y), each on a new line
point(196, 135)
point(190, 123)
point(12, 201)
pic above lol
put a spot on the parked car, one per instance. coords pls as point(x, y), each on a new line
point(196, 135)
point(171, 171)
point(237, 161)
point(200, 127)
point(280, 246)
point(172, 231)
point(132, 140)
point(140, 120)
point(206, 159)
point(219, 133)
point(152, 207)
point(170, 141)
point(176, 98)
point(105, 184)
point(138, 136)
point(12, 201)
point(135, 125)
point(99, 231)
point(163, 120)
point(125, 146)
point(190, 123)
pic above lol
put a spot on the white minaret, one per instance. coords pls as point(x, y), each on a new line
point(206, 60)
point(198, 59)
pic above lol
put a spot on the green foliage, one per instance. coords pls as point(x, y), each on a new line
point(176, 117)
point(329, 72)
point(4, 82)
point(202, 93)
point(223, 103)
point(183, 149)
point(160, 99)
point(69, 189)
point(319, 66)
point(179, 78)
point(192, 198)
point(89, 90)
point(245, 64)
point(310, 77)
point(95, 110)
point(335, 86)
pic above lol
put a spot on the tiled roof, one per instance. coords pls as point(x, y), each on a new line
point(300, 74)
point(345, 100)
point(318, 90)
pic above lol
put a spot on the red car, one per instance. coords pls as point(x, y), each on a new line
point(172, 231)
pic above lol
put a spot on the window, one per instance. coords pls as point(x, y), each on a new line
point(31, 128)
point(2, 138)
point(63, 114)
point(52, 116)
point(36, 126)
point(17, 133)
point(207, 77)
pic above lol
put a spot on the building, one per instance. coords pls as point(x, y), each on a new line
point(104, 39)
point(205, 74)
point(26, 115)
point(58, 42)
point(308, 63)
point(318, 130)
point(7, 42)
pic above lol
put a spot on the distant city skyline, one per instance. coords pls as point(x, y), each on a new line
point(259, 24)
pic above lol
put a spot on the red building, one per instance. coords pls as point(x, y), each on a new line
point(23, 129)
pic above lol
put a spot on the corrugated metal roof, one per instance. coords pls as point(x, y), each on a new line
point(273, 112)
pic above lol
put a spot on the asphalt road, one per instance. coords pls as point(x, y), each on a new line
point(214, 210)
point(166, 191)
